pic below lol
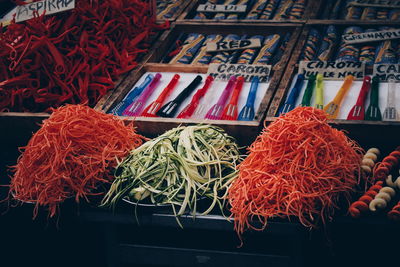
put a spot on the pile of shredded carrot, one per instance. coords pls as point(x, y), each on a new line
point(72, 155)
point(299, 166)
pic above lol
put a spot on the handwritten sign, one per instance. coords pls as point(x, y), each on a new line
point(375, 3)
point(233, 45)
point(26, 12)
point(333, 70)
point(367, 37)
point(225, 71)
point(386, 71)
point(222, 8)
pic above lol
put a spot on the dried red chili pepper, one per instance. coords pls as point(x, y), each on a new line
point(74, 56)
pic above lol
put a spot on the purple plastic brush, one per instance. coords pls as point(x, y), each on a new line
point(215, 112)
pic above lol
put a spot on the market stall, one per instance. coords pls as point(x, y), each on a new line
point(210, 133)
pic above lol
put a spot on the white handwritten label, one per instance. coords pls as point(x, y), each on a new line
point(233, 45)
point(367, 37)
point(335, 70)
point(48, 7)
point(222, 8)
point(386, 71)
point(375, 3)
point(225, 71)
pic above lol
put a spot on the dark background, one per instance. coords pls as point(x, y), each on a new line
point(63, 241)
point(5, 6)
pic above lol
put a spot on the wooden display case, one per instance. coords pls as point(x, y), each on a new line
point(366, 133)
point(244, 131)
point(323, 9)
point(176, 13)
point(190, 11)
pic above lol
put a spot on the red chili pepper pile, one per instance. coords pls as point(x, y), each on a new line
point(74, 56)
point(71, 156)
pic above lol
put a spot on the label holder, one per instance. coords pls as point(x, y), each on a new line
point(224, 71)
point(221, 8)
point(333, 70)
point(233, 45)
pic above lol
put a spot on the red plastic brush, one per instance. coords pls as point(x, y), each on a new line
point(188, 111)
point(151, 110)
point(231, 110)
point(358, 110)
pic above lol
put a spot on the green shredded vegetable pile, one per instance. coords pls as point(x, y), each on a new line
point(177, 168)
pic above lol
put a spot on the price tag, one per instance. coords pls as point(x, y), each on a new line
point(225, 71)
point(25, 12)
point(233, 45)
point(367, 37)
point(222, 8)
point(386, 71)
point(333, 70)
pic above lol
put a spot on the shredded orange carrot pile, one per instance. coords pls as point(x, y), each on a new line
point(299, 166)
point(71, 156)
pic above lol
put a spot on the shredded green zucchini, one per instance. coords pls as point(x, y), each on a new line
point(177, 168)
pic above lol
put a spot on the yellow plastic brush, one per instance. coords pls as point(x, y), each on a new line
point(332, 109)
